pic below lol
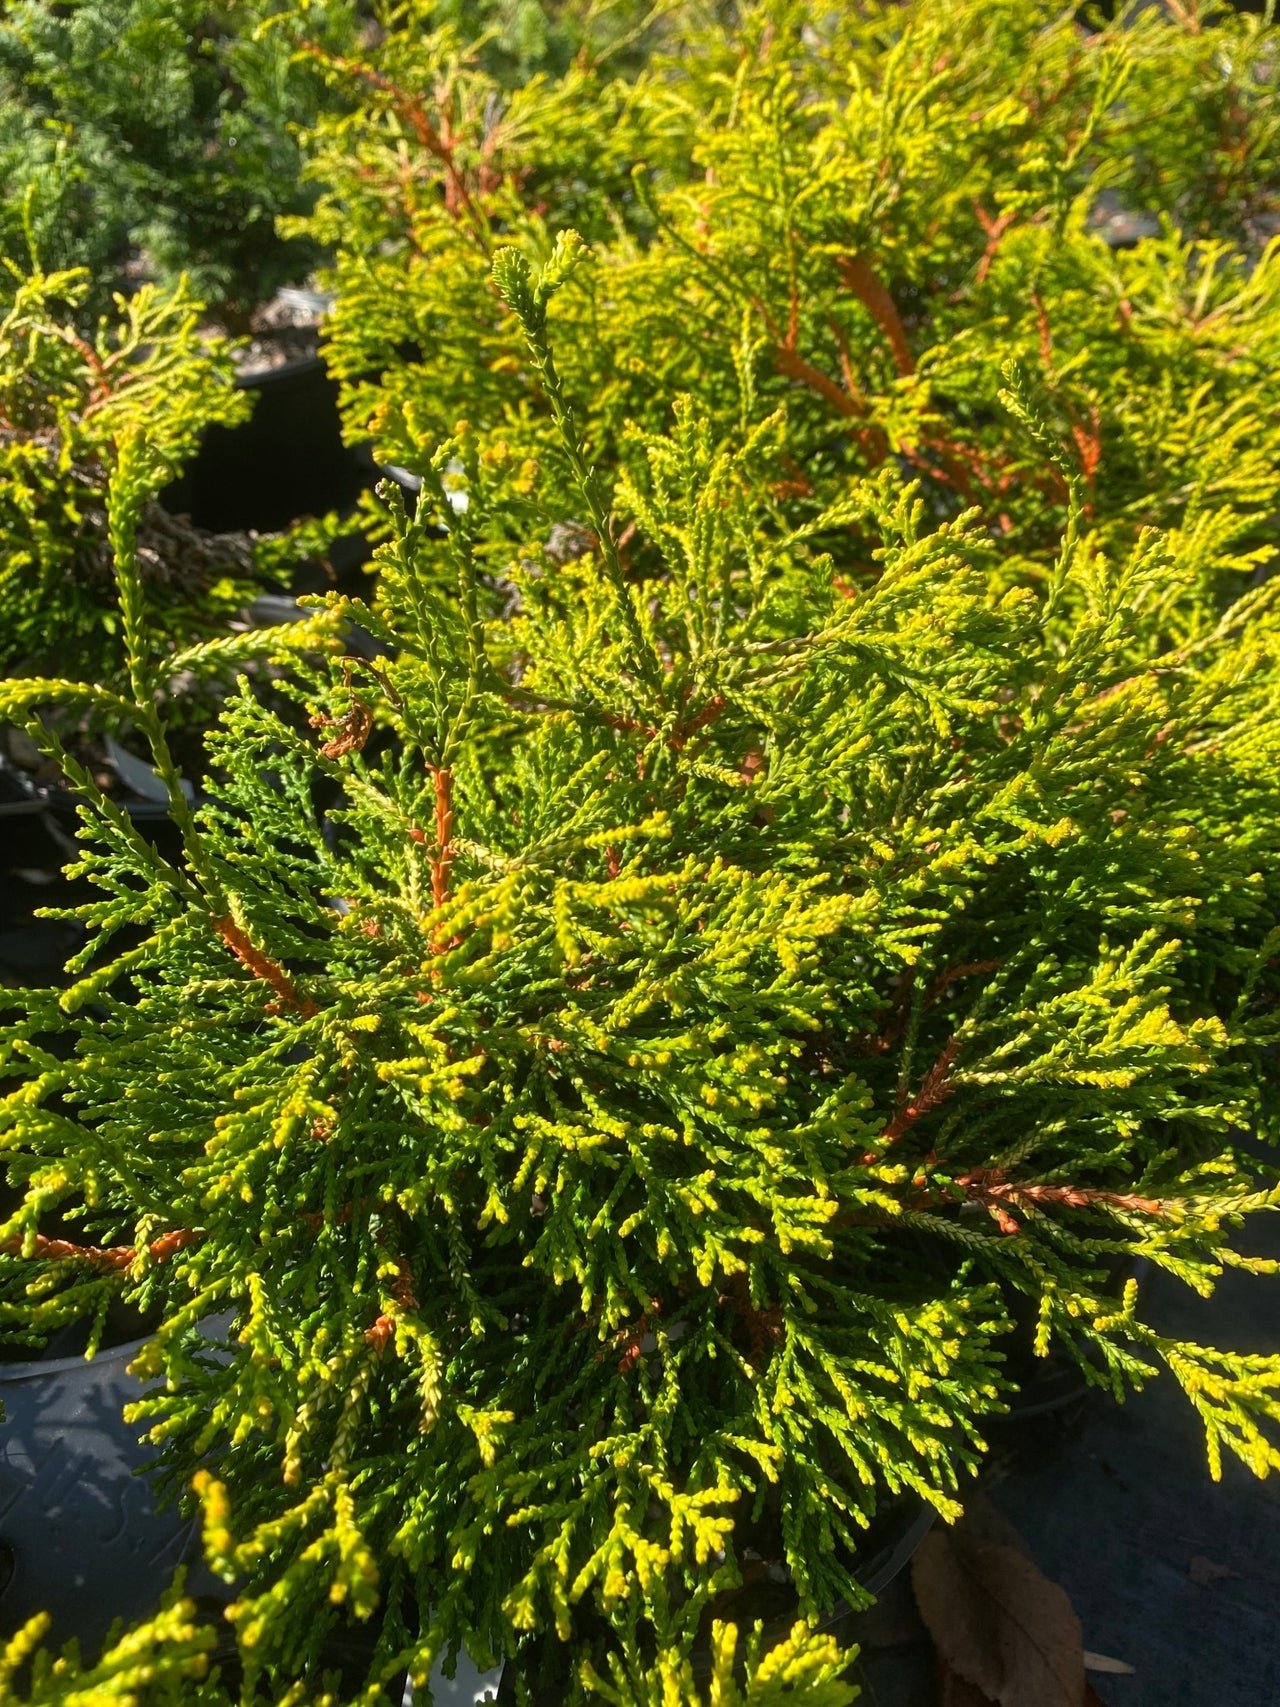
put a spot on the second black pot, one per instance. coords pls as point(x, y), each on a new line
point(286, 462)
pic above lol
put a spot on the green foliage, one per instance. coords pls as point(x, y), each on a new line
point(165, 1662)
point(161, 135)
point(159, 1664)
point(624, 1071)
point(163, 125)
point(67, 403)
point(872, 208)
point(520, 39)
point(802, 1665)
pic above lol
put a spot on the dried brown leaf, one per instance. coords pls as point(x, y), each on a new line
point(999, 1623)
point(954, 1691)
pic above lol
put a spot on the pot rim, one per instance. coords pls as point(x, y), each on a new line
point(34, 1368)
point(255, 378)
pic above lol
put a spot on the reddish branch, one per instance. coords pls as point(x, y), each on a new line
point(1087, 439)
point(104, 1256)
point(937, 1087)
point(101, 391)
point(680, 734)
point(995, 226)
point(402, 1291)
point(1088, 442)
point(444, 852)
point(792, 365)
point(857, 273)
point(700, 720)
point(262, 966)
point(630, 725)
point(959, 466)
point(989, 1186)
point(633, 1338)
point(314, 1219)
point(949, 975)
point(1186, 14)
point(936, 986)
point(439, 144)
point(764, 1327)
point(1046, 336)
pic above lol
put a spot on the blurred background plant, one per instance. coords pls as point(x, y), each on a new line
point(143, 139)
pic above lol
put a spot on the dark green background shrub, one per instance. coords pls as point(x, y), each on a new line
point(156, 125)
point(155, 138)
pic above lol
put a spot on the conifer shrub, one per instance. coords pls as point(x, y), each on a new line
point(67, 401)
point(882, 204)
point(158, 138)
point(156, 133)
point(624, 1066)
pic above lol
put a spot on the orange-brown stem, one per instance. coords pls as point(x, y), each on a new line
point(443, 857)
point(262, 966)
point(995, 226)
point(632, 1338)
point(856, 272)
point(1186, 14)
point(680, 734)
point(412, 111)
point(383, 1330)
point(793, 365)
point(700, 720)
point(937, 1087)
point(989, 1186)
point(105, 1256)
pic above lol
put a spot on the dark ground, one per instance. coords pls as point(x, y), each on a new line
point(1169, 1571)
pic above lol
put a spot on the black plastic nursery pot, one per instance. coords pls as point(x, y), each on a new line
point(38, 829)
point(82, 1536)
point(287, 461)
point(34, 846)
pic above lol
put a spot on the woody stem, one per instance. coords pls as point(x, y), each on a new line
point(443, 779)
